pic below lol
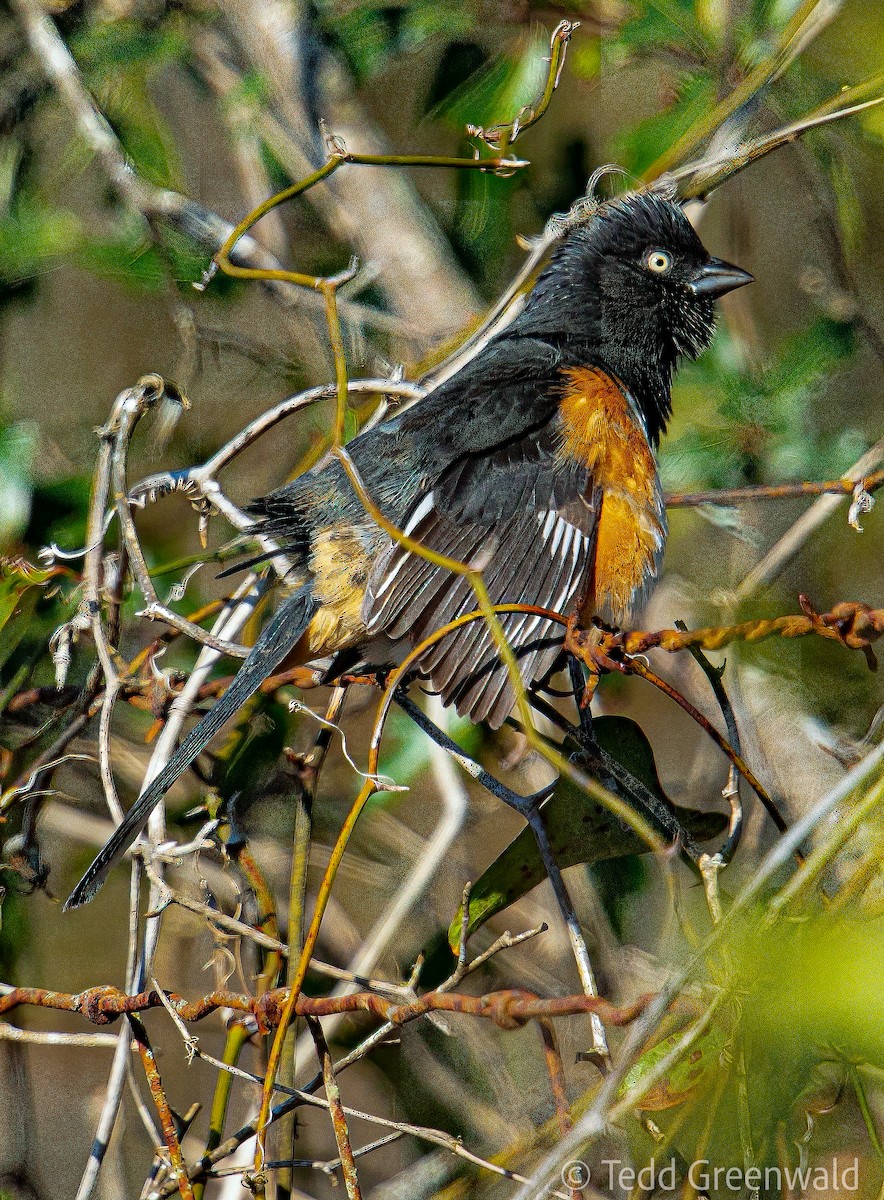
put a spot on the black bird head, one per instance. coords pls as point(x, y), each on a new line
point(632, 289)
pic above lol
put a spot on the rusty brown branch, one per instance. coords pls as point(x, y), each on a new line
point(556, 1072)
point(336, 1111)
point(510, 1008)
point(853, 624)
point(167, 1121)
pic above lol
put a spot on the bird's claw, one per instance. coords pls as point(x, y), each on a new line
point(598, 648)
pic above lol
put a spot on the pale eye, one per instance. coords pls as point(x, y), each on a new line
point(659, 262)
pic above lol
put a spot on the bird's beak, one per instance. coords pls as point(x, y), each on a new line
point(715, 278)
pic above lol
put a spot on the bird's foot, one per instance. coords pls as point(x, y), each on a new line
point(598, 648)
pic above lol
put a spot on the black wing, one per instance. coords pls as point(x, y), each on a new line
point(525, 514)
point(510, 389)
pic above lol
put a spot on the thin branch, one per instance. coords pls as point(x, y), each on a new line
point(595, 1121)
point(299, 1097)
point(599, 1048)
point(154, 204)
point(336, 1111)
point(113, 1096)
point(697, 179)
point(809, 20)
point(44, 1037)
point(167, 1121)
point(502, 136)
point(776, 491)
point(436, 847)
point(856, 626)
point(379, 1035)
point(731, 791)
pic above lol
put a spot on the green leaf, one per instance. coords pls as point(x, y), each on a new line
point(120, 59)
point(367, 38)
point(580, 829)
point(497, 92)
point(145, 135)
point(428, 19)
point(848, 204)
point(351, 425)
point(33, 238)
point(685, 1075)
point(124, 255)
point(371, 34)
point(18, 445)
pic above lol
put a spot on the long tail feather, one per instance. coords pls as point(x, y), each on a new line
point(276, 640)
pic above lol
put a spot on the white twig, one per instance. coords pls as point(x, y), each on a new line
point(40, 1037)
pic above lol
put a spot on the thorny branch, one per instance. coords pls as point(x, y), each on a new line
point(509, 1009)
point(855, 625)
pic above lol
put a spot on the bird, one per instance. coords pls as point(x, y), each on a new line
point(536, 458)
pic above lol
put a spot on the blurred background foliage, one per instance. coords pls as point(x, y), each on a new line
point(222, 102)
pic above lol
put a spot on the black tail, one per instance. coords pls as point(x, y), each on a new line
point(276, 640)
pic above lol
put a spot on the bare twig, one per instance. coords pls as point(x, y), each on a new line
point(731, 790)
point(336, 1110)
point(305, 1095)
point(154, 204)
point(167, 1121)
point(297, 1098)
point(778, 491)
point(45, 1037)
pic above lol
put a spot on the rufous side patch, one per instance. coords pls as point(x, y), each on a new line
point(600, 430)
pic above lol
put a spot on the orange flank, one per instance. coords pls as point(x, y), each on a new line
point(600, 430)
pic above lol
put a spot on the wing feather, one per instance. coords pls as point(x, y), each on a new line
point(536, 509)
point(550, 572)
point(445, 662)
